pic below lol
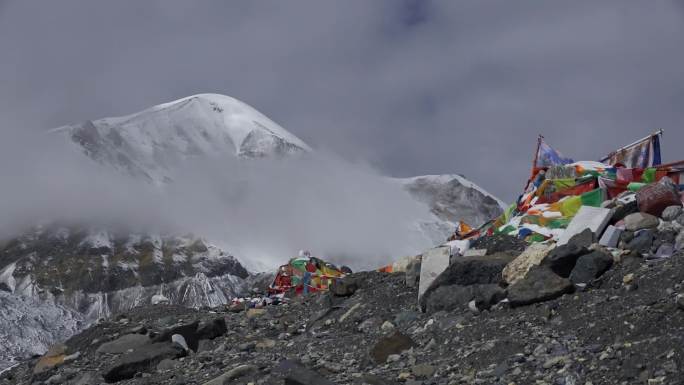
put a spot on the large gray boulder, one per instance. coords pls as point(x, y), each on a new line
point(455, 297)
point(540, 284)
point(466, 271)
point(142, 359)
point(591, 266)
point(562, 259)
point(124, 343)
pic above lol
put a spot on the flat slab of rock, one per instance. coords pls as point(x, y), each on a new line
point(434, 262)
point(143, 359)
point(593, 218)
point(541, 284)
point(123, 344)
point(532, 256)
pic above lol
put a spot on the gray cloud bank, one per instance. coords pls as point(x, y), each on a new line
point(263, 211)
point(413, 87)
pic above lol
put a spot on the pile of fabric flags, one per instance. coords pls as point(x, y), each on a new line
point(305, 275)
point(559, 186)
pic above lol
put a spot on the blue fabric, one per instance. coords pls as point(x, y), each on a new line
point(547, 156)
point(656, 150)
point(524, 232)
point(306, 282)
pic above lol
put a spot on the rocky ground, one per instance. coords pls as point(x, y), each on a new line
point(574, 314)
point(626, 328)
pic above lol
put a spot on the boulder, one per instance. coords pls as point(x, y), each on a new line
point(591, 266)
point(467, 271)
point(395, 343)
point(622, 210)
point(642, 241)
point(532, 256)
point(123, 344)
point(294, 373)
point(540, 284)
point(679, 241)
point(655, 198)
point(188, 331)
point(584, 238)
point(639, 221)
point(671, 213)
point(562, 259)
point(143, 359)
point(208, 330)
point(233, 374)
point(344, 287)
point(454, 297)
point(611, 237)
point(180, 341)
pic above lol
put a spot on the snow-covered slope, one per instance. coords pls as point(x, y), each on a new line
point(152, 142)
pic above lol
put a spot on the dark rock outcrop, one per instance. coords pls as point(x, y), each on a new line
point(591, 266)
point(145, 358)
point(540, 284)
point(562, 259)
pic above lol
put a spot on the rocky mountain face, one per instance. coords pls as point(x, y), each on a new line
point(452, 198)
point(73, 276)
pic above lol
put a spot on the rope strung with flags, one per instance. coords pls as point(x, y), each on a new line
point(643, 153)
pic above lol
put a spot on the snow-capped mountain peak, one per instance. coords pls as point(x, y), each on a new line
point(152, 142)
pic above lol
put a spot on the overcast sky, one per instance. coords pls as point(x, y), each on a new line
point(411, 87)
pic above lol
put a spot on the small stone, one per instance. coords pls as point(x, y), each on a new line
point(472, 306)
point(180, 341)
point(627, 279)
point(265, 344)
point(555, 361)
point(680, 301)
point(387, 326)
point(403, 376)
point(393, 358)
point(671, 213)
point(235, 373)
